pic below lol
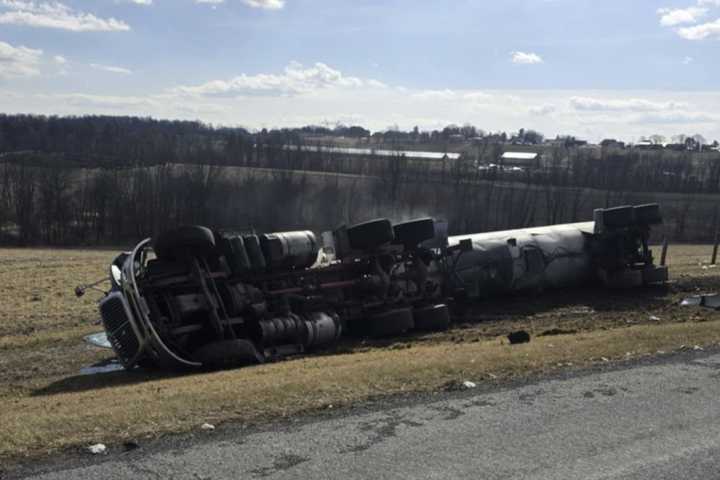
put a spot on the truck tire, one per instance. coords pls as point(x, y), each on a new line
point(412, 233)
point(183, 241)
point(388, 323)
point(254, 253)
point(655, 275)
point(435, 318)
point(622, 279)
point(370, 235)
point(648, 214)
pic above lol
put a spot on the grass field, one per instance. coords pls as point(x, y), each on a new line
point(48, 406)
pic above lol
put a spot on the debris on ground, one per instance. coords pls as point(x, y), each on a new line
point(518, 337)
point(710, 300)
point(207, 426)
point(130, 445)
point(97, 449)
point(456, 386)
point(557, 331)
point(654, 318)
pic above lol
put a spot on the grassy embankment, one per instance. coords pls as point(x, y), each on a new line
point(47, 406)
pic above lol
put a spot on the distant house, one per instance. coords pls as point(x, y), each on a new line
point(647, 145)
point(612, 143)
point(529, 160)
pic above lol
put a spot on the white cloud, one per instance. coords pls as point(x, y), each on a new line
point(714, 3)
point(542, 110)
point(525, 58)
point(141, 2)
point(60, 60)
point(210, 2)
point(670, 17)
point(265, 4)
point(295, 80)
point(591, 104)
point(111, 69)
point(18, 61)
point(446, 94)
point(55, 15)
point(688, 60)
point(701, 32)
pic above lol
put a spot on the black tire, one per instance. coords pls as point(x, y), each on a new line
point(388, 323)
point(655, 275)
point(254, 252)
point(370, 235)
point(234, 250)
point(187, 240)
point(435, 318)
point(228, 353)
point(619, 217)
point(648, 214)
point(413, 233)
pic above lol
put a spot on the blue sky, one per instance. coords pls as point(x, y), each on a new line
point(589, 68)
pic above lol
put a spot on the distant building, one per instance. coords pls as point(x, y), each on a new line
point(529, 160)
point(612, 143)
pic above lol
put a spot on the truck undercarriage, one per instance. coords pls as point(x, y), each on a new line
point(193, 297)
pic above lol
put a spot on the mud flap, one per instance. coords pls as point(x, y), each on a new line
point(228, 353)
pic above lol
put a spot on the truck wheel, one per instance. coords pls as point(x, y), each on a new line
point(655, 275)
point(388, 323)
point(622, 279)
point(435, 318)
point(191, 239)
point(413, 233)
point(370, 235)
point(648, 214)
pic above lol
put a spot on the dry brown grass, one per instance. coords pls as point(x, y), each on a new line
point(47, 406)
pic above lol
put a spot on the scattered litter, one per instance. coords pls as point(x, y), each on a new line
point(97, 449)
point(711, 300)
point(605, 359)
point(706, 267)
point(99, 340)
point(130, 445)
point(697, 348)
point(518, 337)
point(653, 318)
point(106, 366)
point(207, 426)
point(660, 352)
point(330, 406)
point(492, 376)
point(556, 331)
point(456, 386)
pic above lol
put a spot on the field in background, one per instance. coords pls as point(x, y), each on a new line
point(47, 405)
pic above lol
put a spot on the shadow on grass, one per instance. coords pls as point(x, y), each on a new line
point(97, 381)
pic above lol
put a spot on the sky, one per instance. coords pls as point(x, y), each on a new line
point(590, 68)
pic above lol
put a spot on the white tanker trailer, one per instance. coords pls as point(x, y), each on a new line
point(611, 250)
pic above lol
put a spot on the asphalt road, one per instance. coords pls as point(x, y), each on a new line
point(652, 421)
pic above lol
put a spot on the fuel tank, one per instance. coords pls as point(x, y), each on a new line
point(290, 249)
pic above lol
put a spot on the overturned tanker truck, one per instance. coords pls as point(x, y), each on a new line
point(194, 297)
